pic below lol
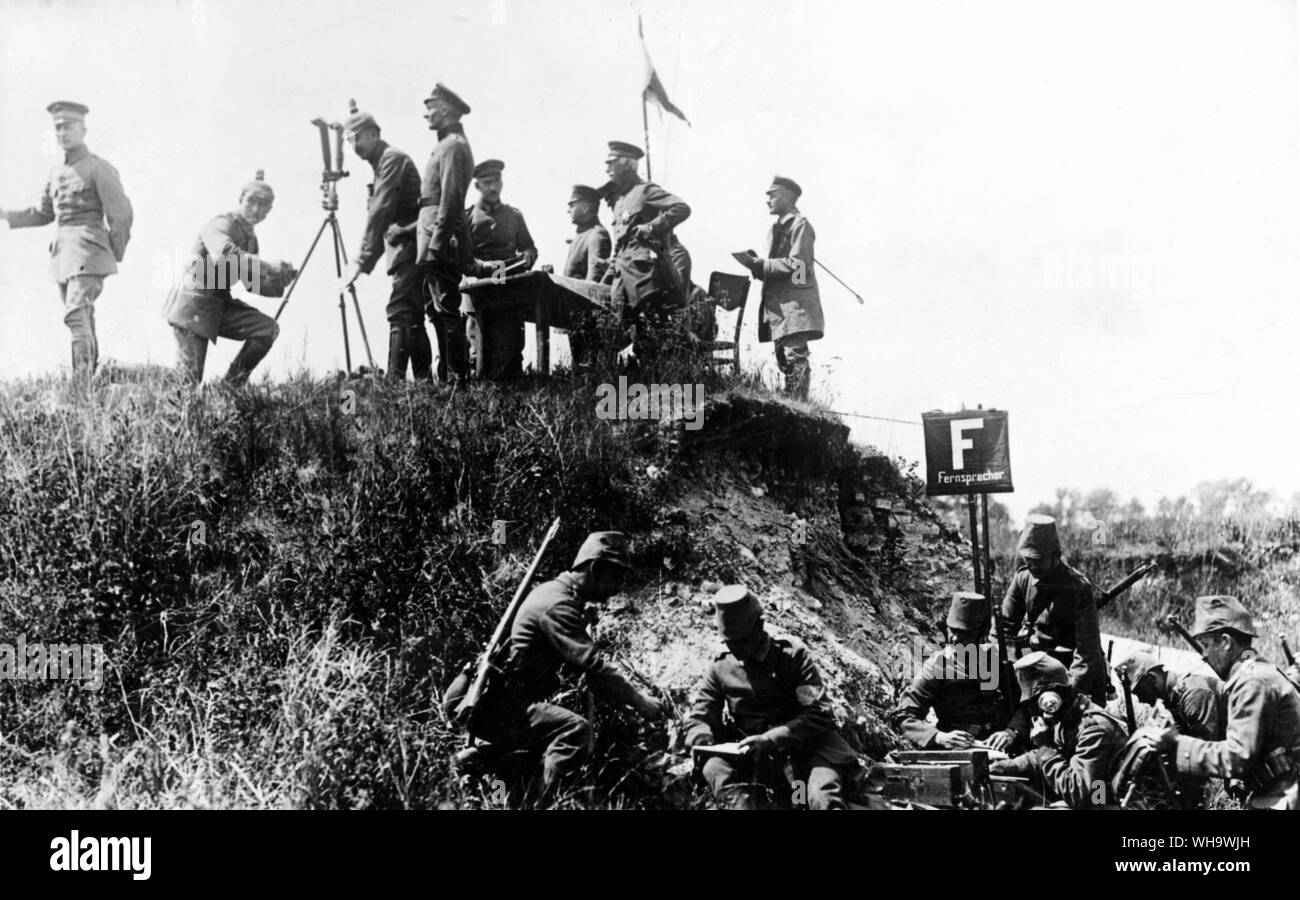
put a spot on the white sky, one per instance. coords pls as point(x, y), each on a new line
point(1084, 213)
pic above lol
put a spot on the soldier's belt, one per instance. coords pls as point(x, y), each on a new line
point(1278, 764)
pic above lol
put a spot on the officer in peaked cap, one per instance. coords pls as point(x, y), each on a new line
point(392, 207)
point(960, 683)
point(84, 197)
point(549, 632)
point(791, 316)
point(500, 238)
point(779, 708)
point(589, 247)
point(1056, 605)
point(443, 245)
point(648, 285)
point(1076, 743)
point(1261, 741)
point(202, 309)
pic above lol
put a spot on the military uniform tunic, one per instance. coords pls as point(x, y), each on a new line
point(80, 195)
point(642, 271)
point(1077, 765)
point(443, 245)
point(1263, 716)
point(588, 253)
point(780, 695)
point(1061, 612)
point(950, 683)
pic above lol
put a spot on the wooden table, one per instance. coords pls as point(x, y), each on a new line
point(543, 298)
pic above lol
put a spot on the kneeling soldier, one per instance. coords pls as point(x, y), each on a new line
point(1076, 743)
point(960, 683)
point(778, 705)
point(1261, 740)
point(550, 632)
point(202, 308)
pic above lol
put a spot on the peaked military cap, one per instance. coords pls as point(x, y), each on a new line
point(610, 546)
point(258, 185)
point(624, 149)
point(737, 611)
point(1039, 538)
point(583, 192)
point(780, 181)
point(442, 92)
point(1218, 612)
point(969, 611)
point(67, 110)
point(488, 167)
point(357, 120)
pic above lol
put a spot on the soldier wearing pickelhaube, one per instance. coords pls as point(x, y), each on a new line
point(391, 211)
point(549, 633)
point(792, 308)
point(1076, 744)
point(202, 309)
point(1057, 607)
point(1260, 745)
point(646, 287)
point(778, 708)
point(960, 683)
point(84, 196)
point(442, 236)
point(1195, 702)
point(499, 237)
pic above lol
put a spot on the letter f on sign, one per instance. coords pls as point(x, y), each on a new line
point(961, 444)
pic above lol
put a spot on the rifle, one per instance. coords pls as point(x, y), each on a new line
point(1131, 579)
point(468, 705)
point(1286, 651)
point(1186, 635)
point(1129, 715)
point(1008, 669)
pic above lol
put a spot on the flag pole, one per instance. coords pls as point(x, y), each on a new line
point(645, 130)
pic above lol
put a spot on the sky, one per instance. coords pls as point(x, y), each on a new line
point(1083, 213)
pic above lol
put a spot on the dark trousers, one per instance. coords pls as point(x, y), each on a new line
point(500, 345)
point(407, 339)
point(561, 737)
point(239, 321)
point(816, 772)
point(442, 305)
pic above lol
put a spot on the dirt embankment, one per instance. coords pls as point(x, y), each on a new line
point(841, 548)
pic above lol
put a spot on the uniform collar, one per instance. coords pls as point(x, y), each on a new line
point(787, 218)
point(375, 155)
point(1247, 656)
point(587, 227)
point(453, 128)
point(76, 156)
point(482, 204)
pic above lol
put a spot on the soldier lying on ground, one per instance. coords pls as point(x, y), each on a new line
point(960, 683)
point(1261, 739)
point(779, 707)
point(1076, 743)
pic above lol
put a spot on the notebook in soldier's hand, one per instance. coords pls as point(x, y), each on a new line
point(731, 749)
point(747, 258)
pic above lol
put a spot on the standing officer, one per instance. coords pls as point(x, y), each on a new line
point(1058, 608)
point(1261, 740)
point(588, 258)
point(202, 308)
point(1077, 744)
point(442, 238)
point(792, 307)
point(80, 194)
point(777, 703)
point(589, 247)
point(499, 237)
point(960, 683)
point(391, 211)
point(550, 632)
point(646, 286)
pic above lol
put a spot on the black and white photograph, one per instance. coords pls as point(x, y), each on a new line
point(650, 408)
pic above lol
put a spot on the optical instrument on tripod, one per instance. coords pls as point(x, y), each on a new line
point(330, 176)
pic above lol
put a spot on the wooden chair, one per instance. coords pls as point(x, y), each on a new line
point(728, 292)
